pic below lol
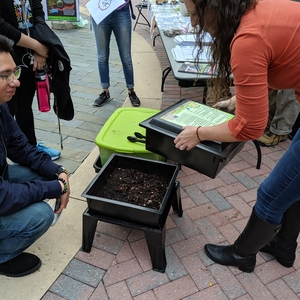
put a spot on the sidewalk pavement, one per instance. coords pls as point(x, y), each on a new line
point(119, 265)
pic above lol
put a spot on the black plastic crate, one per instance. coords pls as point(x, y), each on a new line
point(208, 157)
point(125, 211)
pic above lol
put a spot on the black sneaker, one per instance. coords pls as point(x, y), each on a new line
point(135, 101)
point(23, 264)
point(103, 98)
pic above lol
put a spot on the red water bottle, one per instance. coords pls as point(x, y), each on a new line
point(42, 90)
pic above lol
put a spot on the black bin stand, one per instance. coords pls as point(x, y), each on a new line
point(155, 237)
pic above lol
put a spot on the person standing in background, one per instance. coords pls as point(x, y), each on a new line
point(283, 112)
point(17, 21)
point(118, 22)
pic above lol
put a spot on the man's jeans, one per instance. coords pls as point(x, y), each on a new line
point(21, 229)
point(282, 188)
point(118, 22)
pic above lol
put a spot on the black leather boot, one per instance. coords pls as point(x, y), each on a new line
point(242, 253)
point(284, 245)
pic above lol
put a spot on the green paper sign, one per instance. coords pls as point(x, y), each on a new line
point(62, 10)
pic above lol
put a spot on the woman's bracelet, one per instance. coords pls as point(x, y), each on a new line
point(65, 185)
point(198, 134)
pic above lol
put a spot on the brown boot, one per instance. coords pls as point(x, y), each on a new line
point(270, 139)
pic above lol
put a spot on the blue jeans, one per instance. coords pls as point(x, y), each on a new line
point(282, 188)
point(118, 22)
point(21, 229)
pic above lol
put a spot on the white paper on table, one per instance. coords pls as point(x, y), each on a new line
point(100, 9)
point(189, 54)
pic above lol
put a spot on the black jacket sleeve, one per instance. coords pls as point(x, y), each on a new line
point(8, 22)
point(8, 18)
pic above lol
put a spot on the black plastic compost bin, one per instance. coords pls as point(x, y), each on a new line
point(208, 157)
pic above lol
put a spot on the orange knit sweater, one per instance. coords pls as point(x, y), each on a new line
point(265, 55)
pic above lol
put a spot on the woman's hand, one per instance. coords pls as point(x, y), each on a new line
point(41, 49)
point(187, 139)
point(39, 62)
point(28, 42)
point(228, 105)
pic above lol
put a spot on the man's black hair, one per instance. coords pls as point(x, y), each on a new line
point(6, 45)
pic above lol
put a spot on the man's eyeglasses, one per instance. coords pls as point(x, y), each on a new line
point(9, 77)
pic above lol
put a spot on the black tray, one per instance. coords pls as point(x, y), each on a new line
point(208, 157)
point(126, 211)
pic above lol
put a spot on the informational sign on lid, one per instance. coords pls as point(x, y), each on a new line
point(190, 113)
point(196, 114)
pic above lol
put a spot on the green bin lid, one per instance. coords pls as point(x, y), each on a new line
point(122, 123)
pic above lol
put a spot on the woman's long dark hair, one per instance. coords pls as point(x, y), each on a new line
point(226, 20)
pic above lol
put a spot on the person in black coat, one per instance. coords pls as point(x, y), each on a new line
point(23, 21)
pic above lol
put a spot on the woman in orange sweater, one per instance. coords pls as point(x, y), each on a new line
point(258, 42)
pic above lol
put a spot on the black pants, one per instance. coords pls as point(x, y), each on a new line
point(20, 105)
point(295, 127)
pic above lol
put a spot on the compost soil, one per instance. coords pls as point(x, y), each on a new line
point(135, 187)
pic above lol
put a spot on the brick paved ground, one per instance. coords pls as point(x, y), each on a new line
point(215, 210)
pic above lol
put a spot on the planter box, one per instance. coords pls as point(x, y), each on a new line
point(125, 211)
point(208, 157)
